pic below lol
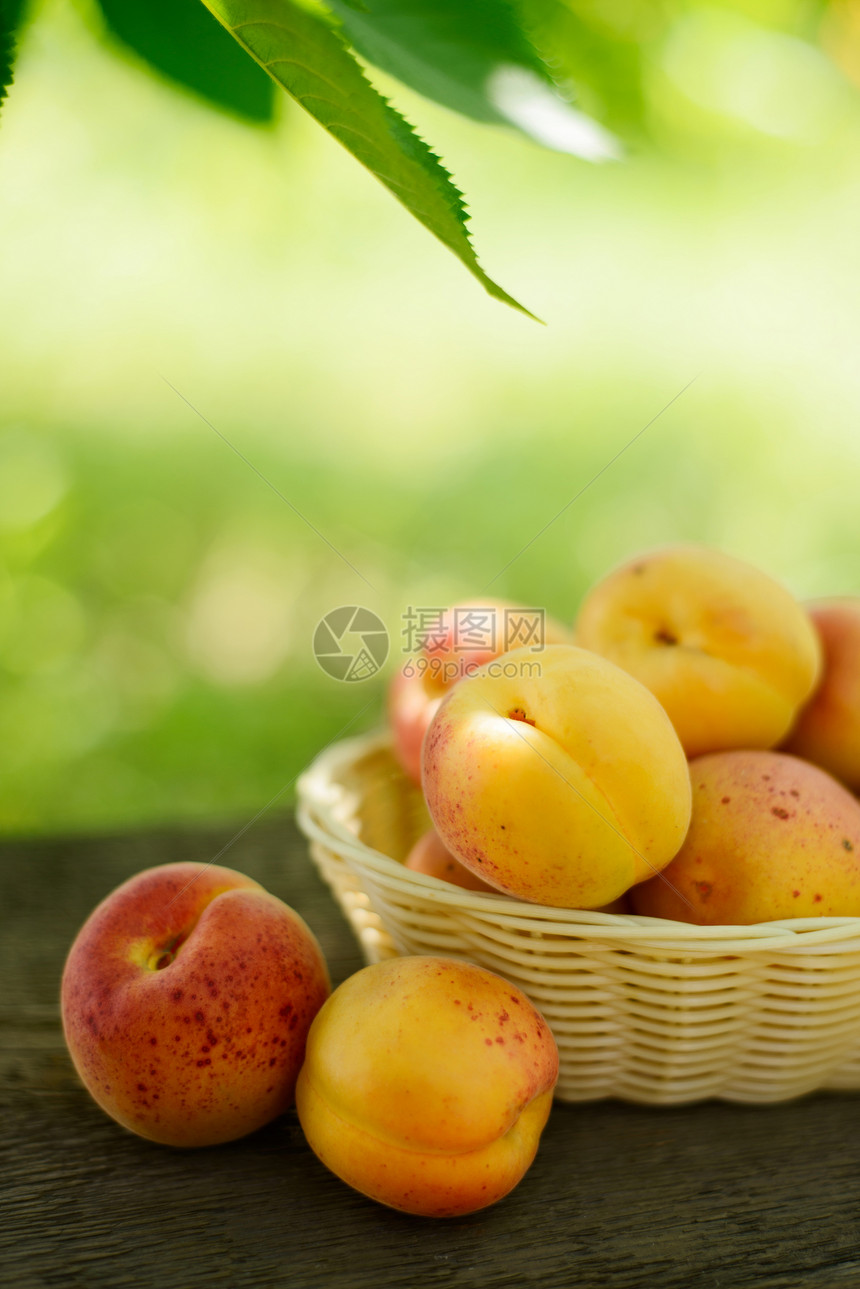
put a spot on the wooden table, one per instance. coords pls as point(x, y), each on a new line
point(706, 1195)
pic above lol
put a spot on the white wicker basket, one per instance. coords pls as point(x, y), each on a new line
point(642, 1009)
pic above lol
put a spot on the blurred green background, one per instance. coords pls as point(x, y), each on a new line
point(158, 599)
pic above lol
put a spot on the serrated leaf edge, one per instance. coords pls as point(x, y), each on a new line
point(442, 177)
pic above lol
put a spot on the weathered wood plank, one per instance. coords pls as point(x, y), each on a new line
point(711, 1195)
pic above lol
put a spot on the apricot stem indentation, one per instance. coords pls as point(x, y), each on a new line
point(162, 957)
point(665, 636)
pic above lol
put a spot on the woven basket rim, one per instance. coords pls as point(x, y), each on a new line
point(320, 792)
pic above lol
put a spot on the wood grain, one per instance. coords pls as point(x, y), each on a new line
point(709, 1195)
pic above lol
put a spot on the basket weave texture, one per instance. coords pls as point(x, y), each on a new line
point(642, 1009)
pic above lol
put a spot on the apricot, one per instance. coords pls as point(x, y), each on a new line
point(427, 1084)
point(467, 636)
point(827, 731)
point(413, 697)
point(186, 1001)
point(771, 837)
point(432, 857)
point(729, 653)
point(557, 779)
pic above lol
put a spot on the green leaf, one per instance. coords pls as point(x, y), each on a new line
point(444, 49)
point(10, 19)
point(475, 57)
point(312, 64)
point(179, 39)
point(607, 69)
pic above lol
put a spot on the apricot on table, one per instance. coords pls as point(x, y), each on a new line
point(186, 1001)
point(427, 1084)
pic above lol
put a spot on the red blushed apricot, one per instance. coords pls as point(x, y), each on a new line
point(412, 702)
point(827, 731)
point(771, 837)
point(432, 857)
point(427, 1084)
point(186, 1001)
point(466, 636)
